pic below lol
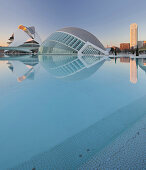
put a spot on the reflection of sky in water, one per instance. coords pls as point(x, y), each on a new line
point(41, 112)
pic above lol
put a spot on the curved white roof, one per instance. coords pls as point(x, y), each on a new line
point(84, 35)
point(20, 37)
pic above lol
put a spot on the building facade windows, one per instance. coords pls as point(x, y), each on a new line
point(71, 40)
point(133, 35)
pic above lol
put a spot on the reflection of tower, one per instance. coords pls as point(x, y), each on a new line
point(133, 71)
point(133, 35)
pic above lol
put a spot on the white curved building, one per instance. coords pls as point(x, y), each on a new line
point(72, 40)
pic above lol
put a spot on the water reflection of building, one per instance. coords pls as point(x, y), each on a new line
point(71, 67)
point(1, 52)
point(24, 68)
point(142, 64)
point(124, 60)
point(28, 75)
point(133, 71)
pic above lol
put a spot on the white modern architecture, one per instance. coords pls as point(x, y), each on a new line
point(72, 40)
point(24, 40)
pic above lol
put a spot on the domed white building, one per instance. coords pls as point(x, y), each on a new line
point(72, 40)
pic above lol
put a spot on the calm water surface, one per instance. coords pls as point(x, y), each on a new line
point(47, 101)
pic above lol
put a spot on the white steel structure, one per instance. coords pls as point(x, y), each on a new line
point(133, 35)
point(72, 40)
point(24, 40)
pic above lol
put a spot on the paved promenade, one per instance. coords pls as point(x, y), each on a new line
point(128, 152)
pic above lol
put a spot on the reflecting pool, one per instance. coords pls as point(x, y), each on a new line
point(58, 111)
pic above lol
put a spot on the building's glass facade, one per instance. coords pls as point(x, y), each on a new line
point(133, 35)
point(68, 68)
point(61, 43)
point(53, 47)
point(53, 61)
point(68, 40)
point(91, 59)
point(90, 50)
point(60, 65)
point(72, 41)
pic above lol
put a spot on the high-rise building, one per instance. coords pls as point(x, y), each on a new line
point(133, 35)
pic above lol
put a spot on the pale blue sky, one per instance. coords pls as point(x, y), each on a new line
point(109, 20)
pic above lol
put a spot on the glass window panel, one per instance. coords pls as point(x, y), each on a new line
point(53, 47)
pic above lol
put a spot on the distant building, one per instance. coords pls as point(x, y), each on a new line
point(124, 46)
point(140, 44)
point(133, 35)
point(116, 48)
point(144, 43)
point(1, 52)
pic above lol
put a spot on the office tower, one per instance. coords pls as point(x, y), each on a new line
point(133, 35)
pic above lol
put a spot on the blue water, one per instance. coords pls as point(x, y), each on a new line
point(47, 100)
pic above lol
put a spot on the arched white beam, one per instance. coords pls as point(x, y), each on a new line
point(87, 44)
